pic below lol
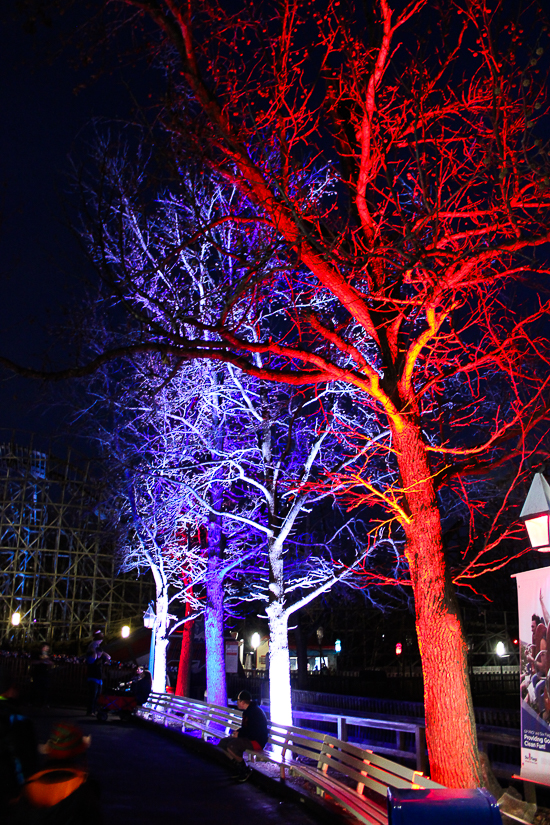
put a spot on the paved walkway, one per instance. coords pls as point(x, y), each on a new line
point(147, 779)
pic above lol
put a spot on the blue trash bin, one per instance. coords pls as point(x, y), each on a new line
point(442, 806)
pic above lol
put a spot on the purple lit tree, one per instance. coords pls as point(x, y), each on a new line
point(158, 435)
point(249, 454)
point(277, 442)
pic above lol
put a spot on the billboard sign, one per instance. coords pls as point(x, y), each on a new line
point(534, 639)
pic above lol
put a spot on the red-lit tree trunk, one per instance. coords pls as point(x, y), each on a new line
point(450, 723)
point(186, 656)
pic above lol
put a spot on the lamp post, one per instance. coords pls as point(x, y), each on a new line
point(320, 634)
point(255, 644)
point(536, 514)
point(500, 650)
point(149, 619)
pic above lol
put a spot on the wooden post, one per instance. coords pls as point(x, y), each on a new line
point(342, 729)
point(420, 743)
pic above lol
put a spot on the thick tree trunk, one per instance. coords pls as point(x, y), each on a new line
point(186, 655)
point(280, 697)
point(450, 725)
point(216, 689)
point(159, 639)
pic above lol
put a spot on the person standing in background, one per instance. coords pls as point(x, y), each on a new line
point(94, 671)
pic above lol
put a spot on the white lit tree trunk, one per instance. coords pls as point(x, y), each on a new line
point(159, 637)
point(280, 696)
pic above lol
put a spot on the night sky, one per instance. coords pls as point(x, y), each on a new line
point(42, 270)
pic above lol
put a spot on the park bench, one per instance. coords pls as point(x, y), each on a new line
point(213, 721)
point(355, 778)
point(358, 779)
point(289, 745)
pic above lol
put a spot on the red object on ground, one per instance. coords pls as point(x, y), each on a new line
point(116, 703)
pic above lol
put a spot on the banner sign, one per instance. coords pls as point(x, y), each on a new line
point(231, 656)
point(534, 638)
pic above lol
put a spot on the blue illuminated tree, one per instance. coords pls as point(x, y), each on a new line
point(249, 454)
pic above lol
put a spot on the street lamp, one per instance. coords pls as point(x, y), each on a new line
point(255, 642)
point(536, 514)
point(320, 634)
point(149, 619)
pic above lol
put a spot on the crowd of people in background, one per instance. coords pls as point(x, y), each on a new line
point(535, 685)
point(65, 658)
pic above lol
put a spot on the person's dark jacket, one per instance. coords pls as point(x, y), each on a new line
point(94, 666)
point(141, 688)
point(254, 725)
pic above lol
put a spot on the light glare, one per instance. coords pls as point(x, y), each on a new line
point(538, 532)
point(125, 632)
point(16, 619)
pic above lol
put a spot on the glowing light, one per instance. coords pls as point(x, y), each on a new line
point(337, 646)
point(500, 649)
point(149, 617)
point(536, 514)
point(16, 619)
point(398, 649)
point(515, 641)
point(125, 632)
point(537, 529)
point(255, 641)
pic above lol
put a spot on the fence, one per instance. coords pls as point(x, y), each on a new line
point(67, 682)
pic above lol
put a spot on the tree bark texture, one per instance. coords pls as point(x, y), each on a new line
point(450, 723)
point(213, 625)
point(280, 697)
point(160, 640)
point(186, 657)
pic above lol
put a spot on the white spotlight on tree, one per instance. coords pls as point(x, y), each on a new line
point(16, 619)
point(255, 641)
point(125, 632)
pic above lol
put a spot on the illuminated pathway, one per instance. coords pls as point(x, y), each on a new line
point(147, 779)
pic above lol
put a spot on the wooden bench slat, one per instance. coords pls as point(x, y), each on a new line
point(363, 807)
point(414, 777)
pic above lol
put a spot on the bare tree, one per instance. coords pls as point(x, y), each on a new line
point(392, 175)
point(249, 455)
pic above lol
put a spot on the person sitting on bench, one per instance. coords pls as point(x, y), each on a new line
point(252, 735)
point(139, 686)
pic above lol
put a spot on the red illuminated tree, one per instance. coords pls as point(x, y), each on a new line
point(394, 165)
